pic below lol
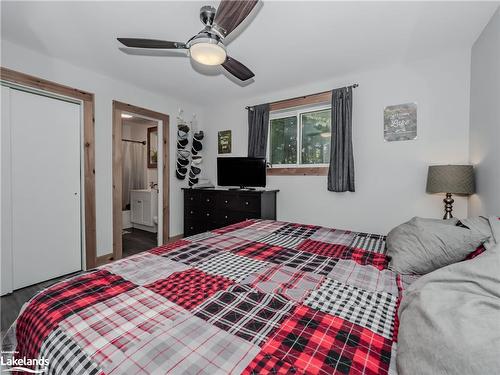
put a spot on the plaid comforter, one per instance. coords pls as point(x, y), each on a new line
point(256, 297)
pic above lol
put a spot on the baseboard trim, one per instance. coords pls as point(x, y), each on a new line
point(176, 238)
point(104, 259)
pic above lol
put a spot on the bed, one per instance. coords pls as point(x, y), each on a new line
point(255, 297)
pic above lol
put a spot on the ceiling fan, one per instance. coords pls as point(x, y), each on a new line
point(207, 47)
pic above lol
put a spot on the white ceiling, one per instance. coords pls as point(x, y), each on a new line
point(286, 44)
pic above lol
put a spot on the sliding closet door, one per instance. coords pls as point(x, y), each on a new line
point(46, 207)
point(6, 199)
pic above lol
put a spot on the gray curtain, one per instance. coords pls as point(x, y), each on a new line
point(258, 123)
point(341, 170)
point(134, 175)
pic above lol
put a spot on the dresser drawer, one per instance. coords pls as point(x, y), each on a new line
point(239, 202)
point(249, 202)
point(228, 202)
point(197, 198)
point(208, 200)
point(192, 227)
point(231, 217)
point(199, 212)
point(191, 198)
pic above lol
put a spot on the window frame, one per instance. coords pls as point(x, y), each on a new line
point(297, 168)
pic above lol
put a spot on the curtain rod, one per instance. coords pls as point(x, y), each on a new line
point(302, 97)
point(131, 140)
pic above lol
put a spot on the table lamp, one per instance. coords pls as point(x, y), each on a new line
point(450, 179)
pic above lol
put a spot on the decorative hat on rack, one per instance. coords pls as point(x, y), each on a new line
point(183, 153)
point(196, 158)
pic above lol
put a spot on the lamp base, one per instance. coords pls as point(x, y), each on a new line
point(448, 206)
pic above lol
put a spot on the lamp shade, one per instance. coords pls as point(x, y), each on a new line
point(455, 179)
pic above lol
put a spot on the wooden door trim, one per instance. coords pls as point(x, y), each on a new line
point(87, 98)
point(118, 108)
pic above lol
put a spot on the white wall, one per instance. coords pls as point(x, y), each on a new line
point(390, 177)
point(106, 90)
point(485, 119)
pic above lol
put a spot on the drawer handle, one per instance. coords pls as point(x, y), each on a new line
point(191, 212)
point(225, 217)
point(191, 198)
point(208, 214)
point(226, 202)
point(246, 203)
point(191, 228)
point(208, 199)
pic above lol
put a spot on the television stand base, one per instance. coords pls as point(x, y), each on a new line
point(242, 188)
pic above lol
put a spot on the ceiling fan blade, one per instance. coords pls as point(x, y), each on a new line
point(151, 43)
point(237, 69)
point(231, 13)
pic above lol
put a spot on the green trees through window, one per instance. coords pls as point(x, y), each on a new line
point(316, 134)
point(308, 132)
point(284, 140)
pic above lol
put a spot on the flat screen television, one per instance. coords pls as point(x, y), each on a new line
point(241, 172)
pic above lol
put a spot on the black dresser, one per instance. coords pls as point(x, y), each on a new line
point(207, 209)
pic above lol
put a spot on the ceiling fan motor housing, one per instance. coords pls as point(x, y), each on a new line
point(207, 15)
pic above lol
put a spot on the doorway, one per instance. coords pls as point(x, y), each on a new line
point(140, 180)
point(139, 184)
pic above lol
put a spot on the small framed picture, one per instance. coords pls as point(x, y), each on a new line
point(152, 147)
point(224, 142)
point(400, 122)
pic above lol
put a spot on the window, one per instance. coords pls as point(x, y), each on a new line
point(300, 138)
point(283, 148)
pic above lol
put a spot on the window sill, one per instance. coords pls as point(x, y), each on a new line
point(298, 171)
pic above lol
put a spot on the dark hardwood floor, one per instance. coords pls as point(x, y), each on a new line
point(11, 304)
point(133, 242)
point(137, 240)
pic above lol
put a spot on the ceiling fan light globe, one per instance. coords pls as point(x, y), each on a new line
point(208, 53)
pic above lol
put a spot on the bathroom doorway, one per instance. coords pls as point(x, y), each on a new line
point(140, 180)
point(139, 184)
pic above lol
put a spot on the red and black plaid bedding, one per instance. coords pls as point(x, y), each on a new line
point(256, 297)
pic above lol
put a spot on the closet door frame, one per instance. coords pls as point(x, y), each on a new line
point(87, 101)
point(163, 121)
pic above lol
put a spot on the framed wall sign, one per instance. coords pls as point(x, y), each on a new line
point(152, 150)
point(400, 122)
point(224, 142)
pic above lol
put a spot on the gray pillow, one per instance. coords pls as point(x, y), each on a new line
point(482, 225)
point(420, 246)
point(450, 320)
point(478, 224)
point(452, 221)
